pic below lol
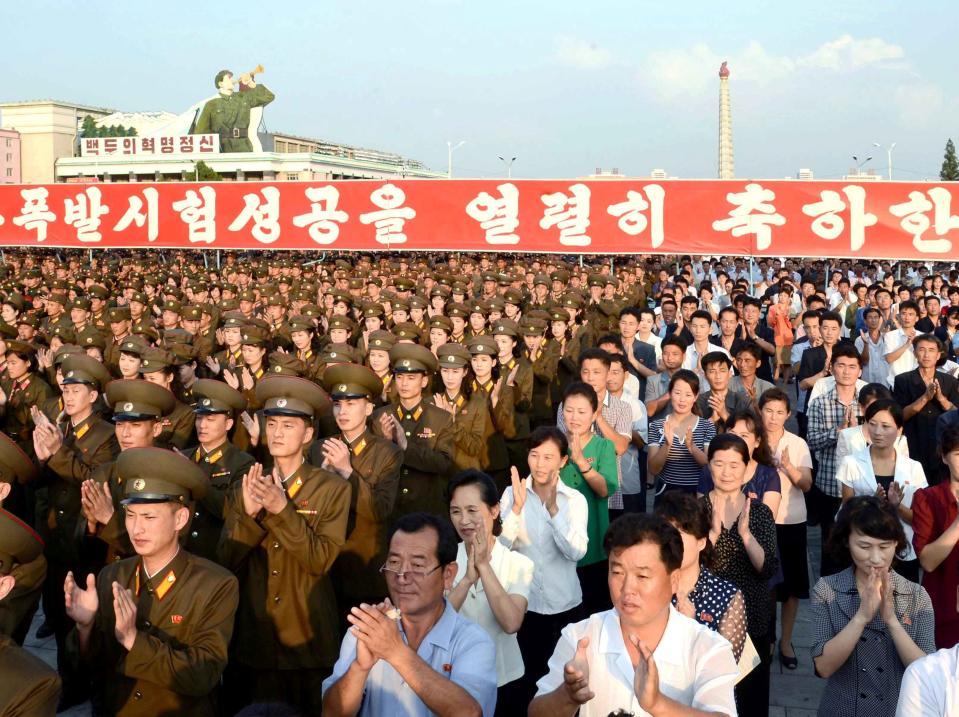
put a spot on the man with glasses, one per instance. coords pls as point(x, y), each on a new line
point(413, 654)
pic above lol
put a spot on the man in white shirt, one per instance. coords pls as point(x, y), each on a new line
point(897, 344)
point(930, 686)
point(700, 324)
point(642, 656)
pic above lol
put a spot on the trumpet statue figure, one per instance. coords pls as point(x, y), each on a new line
point(228, 114)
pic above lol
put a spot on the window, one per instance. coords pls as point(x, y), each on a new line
point(9, 172)
point(9, 142)
point(9, 157)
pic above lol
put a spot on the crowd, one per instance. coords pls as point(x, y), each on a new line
point(476, 484)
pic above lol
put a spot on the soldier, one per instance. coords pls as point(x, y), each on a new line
point(159, 367)
point(423, 431)
point(229, 114)
point(28, 686)
point(217, 406)
point(154, 629)
point(372, 466)
point(17, 609)
point(283, 532)
point(138, 408)
point(72, 451)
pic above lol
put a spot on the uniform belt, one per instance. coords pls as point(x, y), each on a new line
point(233, 133)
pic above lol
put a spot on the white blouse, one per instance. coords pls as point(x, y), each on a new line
point(856, 471)
point(515, 573)
point(554, 544)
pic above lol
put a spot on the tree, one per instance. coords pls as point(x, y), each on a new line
point(950, 165)
point(204, 173)
point(89, 128)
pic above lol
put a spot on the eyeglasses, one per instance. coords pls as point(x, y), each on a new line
point(411, 574)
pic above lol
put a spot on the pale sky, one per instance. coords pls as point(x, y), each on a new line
point(565, 87)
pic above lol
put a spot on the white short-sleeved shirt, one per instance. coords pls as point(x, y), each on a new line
point(856, 471)
point(515, 573)
point(906, 361)
point(696, 665)
point(792, 507)
point(930, 686)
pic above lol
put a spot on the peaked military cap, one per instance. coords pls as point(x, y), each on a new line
point(352, 381)
point(80, 368)
point(291, 396)
point(216, 397)
point(134, 399)
point(157, 475)
point(412, 358)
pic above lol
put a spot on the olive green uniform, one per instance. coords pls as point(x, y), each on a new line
point(287, 629)
point(29, 688)
point(427, 459)
point(224, 467)
point(374, 484)
point(229, 117)
point(184, 622)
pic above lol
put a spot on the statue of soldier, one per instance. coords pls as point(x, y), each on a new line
point(229, 114)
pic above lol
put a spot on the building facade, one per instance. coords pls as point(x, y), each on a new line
point(9, 156)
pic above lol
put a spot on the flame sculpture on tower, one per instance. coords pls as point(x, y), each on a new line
point(726, 164)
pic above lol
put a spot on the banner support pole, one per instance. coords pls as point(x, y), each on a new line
point(218, 259)
point(752, 273)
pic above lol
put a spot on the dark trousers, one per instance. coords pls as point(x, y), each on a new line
point(752, 693)
point(827, 517)
point(301, 689)
point(537, 639)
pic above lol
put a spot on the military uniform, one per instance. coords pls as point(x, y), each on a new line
point(287, 626)
point(229, 117)
point(184, 617)
point(224, 466)
point(18, 608)
point(428, 456)
point(28, 688)
point(374, 484)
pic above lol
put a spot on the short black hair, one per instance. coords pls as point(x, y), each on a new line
point(949, 441)
point(579, 388)
point(751, 348)
point(687, 376)
point(614, 339)
point(909, 304)
point(446, 539)
point(715, 357)
point(621, 360)
point(844, 349)
point(542, 434)
point(689, 300)
point(674, 340)
point(595, 354)
point(729, 442)
point(630, 311)
point(886, 404)
point(700, 314)
point(830, 316)
point(873, 392)
point(686, 512)
point(635, 528)
point(487, 488)
point(870, 516)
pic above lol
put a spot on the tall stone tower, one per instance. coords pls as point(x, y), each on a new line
point(727, 168)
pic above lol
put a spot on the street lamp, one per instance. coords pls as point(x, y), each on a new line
point(449, 157)
point(888, 155)
point(860, 165)
point(509, 166)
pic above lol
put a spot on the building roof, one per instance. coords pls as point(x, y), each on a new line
point(61, 103)
point(340, 149)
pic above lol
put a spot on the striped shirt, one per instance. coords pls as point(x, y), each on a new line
point(681, 468)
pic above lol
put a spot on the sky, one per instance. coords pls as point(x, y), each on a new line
point(565, 87)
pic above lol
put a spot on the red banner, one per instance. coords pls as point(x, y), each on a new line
point(894, 220)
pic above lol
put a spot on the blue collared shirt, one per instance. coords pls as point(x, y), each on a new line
point(455, 648)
